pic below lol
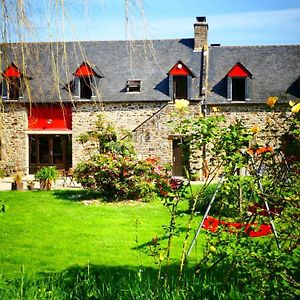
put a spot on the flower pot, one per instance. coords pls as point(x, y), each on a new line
point(17, 186)
point(30, 186)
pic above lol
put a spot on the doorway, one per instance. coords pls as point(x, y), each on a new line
point(181, 155)
point(50, 150)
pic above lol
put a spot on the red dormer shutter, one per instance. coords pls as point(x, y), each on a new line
point(239, 71)
point(180, 69)
point(12, 71)
point(84, 70)
point(85, 81)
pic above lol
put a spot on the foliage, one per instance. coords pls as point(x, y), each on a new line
point(120, 177)
point(268, 195)
point(46, 176)
point(2, 173)
point(47, 173)
point(108, 138)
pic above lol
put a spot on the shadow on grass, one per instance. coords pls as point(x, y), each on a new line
point(156, 241)
point(125, 282)
point(121, 282)
point(77, 195)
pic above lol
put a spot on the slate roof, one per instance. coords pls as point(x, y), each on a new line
point(115, 61)
point(275, 71)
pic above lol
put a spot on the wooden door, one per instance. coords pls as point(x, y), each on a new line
point(180, 158)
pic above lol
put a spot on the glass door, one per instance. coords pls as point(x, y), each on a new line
point(50, 150)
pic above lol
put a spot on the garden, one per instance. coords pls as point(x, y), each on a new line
point(135, 232)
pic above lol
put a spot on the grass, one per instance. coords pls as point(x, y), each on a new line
point(52, 246)
point(46, 232)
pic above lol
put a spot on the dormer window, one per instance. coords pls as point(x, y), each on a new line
point(180, 81)
point(84, 84)
point(133, 85)
point(86, 87)
point(13, 88)
point(238, 83)
point(12, 83)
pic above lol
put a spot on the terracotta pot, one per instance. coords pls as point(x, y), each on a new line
point(17, 186)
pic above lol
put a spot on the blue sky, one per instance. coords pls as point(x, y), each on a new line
point(231, 22)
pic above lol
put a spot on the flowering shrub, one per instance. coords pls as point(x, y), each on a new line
point(120, 177)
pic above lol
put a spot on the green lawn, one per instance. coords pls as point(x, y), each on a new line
point(54, 231)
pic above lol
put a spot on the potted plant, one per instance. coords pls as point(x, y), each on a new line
point(47, 176)
point(17, 184)
point(30, 185)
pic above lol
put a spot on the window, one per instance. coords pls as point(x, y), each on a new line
point(50, 150)
point(238, 89)
point(133, 85)
point(12, 83)
point(14, 88)
point(238, 83)
point(86, 87)
point(84, 84)
point(180, 81)
point(180, 87)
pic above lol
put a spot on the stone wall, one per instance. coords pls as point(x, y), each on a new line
point(256, 115)
point(126, 116)
point(154, 137)
point(14, 147)
point(147, 121)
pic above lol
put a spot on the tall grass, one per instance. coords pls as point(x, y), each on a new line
point(94, 282)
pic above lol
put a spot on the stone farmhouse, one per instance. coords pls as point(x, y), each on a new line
point(52, 92)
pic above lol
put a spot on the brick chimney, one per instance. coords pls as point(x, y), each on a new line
point(200, 30)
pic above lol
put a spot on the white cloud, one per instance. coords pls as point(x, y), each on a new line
point(280, 19)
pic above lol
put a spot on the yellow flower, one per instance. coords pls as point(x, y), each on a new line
point(255, 129)
point(181, 104)
point(161, 257)
point(212, 249)
point(291, 103)
point(214, 109)
point(271, 101)
point(295, 109)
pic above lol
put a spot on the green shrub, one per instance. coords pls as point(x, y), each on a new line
point(49, 172)
point(120, 177)
point(204, 199)
point(46, 176)
point(234, 194)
